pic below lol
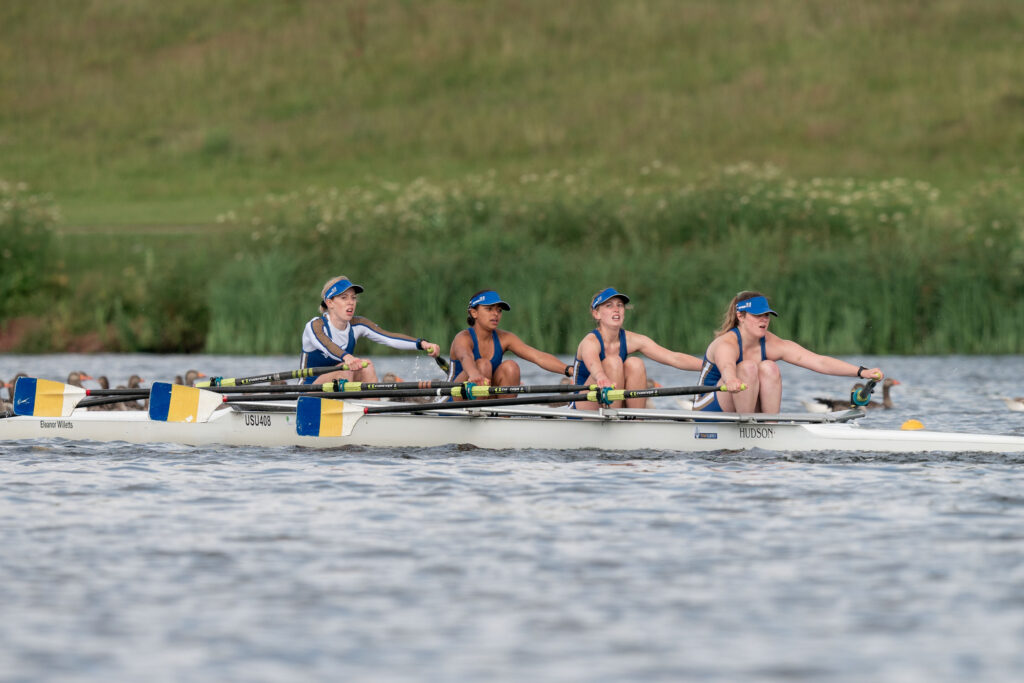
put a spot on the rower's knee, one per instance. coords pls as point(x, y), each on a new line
point(507, 374)
point(748, 372)
point(635, 373)
point(367, 373)
point(768, 371)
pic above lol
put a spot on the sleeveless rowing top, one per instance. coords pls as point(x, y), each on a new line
point(495, 359)
point(582, 373)
point(710, 376)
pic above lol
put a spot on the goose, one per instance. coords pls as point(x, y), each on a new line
point(824, 405)
point(5, 405)
point(105, 384)
point(76, 377)
point(134, 382)
point(190, 378)
point(1016, 404)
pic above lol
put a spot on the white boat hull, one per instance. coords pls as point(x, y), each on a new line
point(529, 428)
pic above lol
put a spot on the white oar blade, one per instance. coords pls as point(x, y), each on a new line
point(325, 416)
point(177, 403)
point(45, 398)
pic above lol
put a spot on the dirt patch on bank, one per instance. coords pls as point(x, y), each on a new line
point(17, 334)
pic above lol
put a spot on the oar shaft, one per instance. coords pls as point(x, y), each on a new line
point(107, 400)
point(483, 403)
point(270, 377)
point(363, 389)
point(352, 390)
point(341, 395)
point(624, 394)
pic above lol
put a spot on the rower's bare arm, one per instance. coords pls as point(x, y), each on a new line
point(589, 353)
point(827, 365)
point(462, 351)
point(659, 354)
point(725, 354)
point(540, 358)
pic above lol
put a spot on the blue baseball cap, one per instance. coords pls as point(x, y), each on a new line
point(606, 294)
point(488, 298)
point(757, 305)
point(340, 287)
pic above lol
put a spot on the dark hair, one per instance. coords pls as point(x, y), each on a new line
point(469, 318)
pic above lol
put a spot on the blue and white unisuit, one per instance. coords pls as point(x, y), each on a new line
point(456, 369)
point(323, 344)
point(710, 376)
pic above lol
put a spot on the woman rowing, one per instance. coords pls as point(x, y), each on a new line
point(744, 354)
point(478, 353)
point(602, 357)
point(331, 337)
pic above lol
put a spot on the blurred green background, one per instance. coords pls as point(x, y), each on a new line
point(184, 176)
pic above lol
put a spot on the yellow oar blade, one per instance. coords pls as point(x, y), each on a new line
point(45, 398)
point(177, 403)
point(325, 416)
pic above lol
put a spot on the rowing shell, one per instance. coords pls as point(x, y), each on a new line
point(274, 425)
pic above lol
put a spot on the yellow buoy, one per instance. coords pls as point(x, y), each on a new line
point(912, 424)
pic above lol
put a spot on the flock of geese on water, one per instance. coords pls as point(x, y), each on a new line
point(816, 405)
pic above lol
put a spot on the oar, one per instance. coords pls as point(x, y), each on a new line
point(316, 416)
point(862, 396)
point(45, 398)
point(272, 377)
point(177, 403)
point(602, 395)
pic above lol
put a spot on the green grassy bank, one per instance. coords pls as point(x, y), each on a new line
point(140, 112)
point(547, 149)
point(854, 266)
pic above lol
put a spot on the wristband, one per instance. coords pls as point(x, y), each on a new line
point(568, 371)
point(859, 371)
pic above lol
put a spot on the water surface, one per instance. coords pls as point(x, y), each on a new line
point(172, 563)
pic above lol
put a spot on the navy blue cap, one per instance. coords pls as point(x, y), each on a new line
point(757, 305)
point(488, 298)
point(606, 294)
point(340, 287)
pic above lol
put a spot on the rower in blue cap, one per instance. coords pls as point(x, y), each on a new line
point(477, 353)
point(744, 354)
point(602, 357)
point(330, 338)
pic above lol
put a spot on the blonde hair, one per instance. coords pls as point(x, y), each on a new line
point(593, 296)
point(327, 286)
point(731, 318)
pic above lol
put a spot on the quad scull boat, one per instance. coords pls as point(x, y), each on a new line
point(274, 424)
